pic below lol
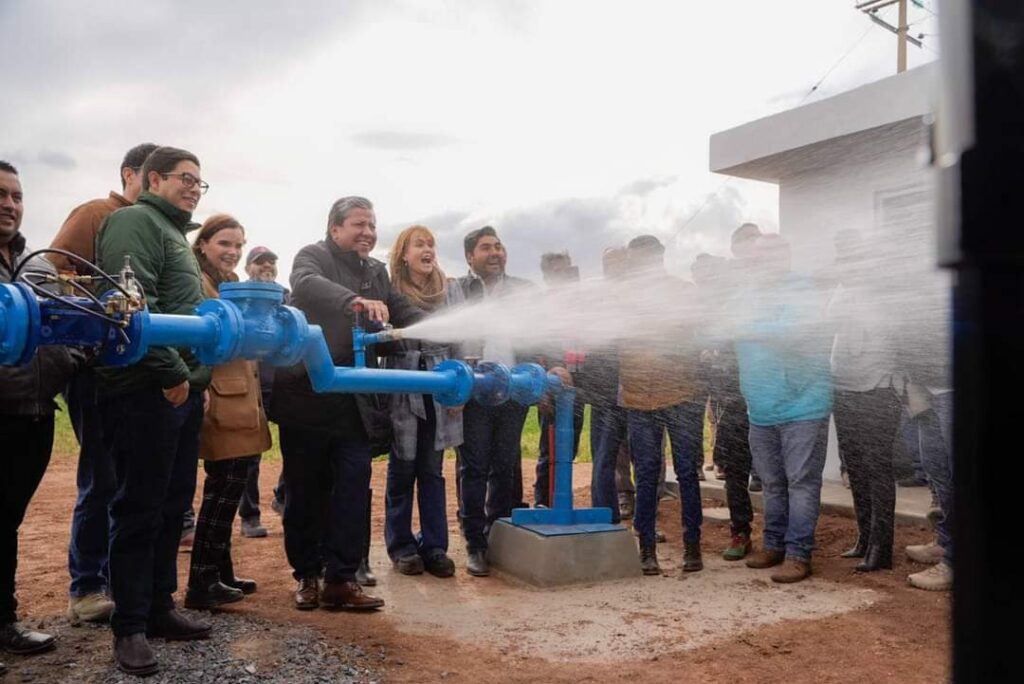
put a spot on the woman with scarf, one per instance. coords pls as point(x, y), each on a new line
point(233, 435)
point(423, 428)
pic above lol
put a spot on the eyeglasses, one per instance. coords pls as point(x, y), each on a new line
point(190, 181)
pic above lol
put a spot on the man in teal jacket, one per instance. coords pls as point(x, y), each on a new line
point(152, 411)
point(782, 347)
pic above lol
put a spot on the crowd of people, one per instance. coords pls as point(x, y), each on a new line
point(777, 356)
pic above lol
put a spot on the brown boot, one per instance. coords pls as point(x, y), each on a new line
point(765, 558)
point(348, 596)
point(307, 596)
point(793, 570)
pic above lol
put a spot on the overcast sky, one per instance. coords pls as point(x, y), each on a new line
point(568, 125)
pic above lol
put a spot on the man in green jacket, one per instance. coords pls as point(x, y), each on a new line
point(152, 411)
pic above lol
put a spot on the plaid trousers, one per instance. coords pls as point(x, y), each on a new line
point(211, 548)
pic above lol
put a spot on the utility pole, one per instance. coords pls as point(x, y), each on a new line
point(871, 7)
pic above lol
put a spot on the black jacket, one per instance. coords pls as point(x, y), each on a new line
point(30, 390)
point(325, 280)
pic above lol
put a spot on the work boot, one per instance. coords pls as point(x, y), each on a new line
point(939, 577)
point(94, 607)
point(692, 561)
point(765, 558)
point(649, 560)
point(929, 554)
point(409, 565)
point(738, 548)
point(307, 595)
point(205, 597)
point(857, 550)
point(477, 565)
point(626, 505)
point(252, 528)
point(348, 596)
point(173, 626)
point(21, 641)
point(134, 656)
point(792, 570)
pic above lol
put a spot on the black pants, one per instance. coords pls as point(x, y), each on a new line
point(487, 459)
point(155, 448)
point(866, 425)
point(27, 442)
point(326, 509)
point(211, 548)
point(732, 453)
point(249, 505)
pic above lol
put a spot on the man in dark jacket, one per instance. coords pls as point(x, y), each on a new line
point(26, 425)
point(490, 483)
point(328, 440)
point(152, 412)
point(90, 524)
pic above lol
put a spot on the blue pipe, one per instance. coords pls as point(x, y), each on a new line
point(564, 433)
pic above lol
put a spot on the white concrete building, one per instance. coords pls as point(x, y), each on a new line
point(853, 161)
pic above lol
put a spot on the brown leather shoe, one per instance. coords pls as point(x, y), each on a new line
point(765, 558)
point(348, 596)
point(133, 655)
point(307, 595)
point(793, 570)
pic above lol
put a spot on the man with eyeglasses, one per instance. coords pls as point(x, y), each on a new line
point(90, 528)
point(152, 411)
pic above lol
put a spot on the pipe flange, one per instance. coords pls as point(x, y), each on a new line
point(462, 388)
point(115, 352)
point(19, 323)
point(227, 342)
point(529, 382)
point(492, 387)
point(296, 334)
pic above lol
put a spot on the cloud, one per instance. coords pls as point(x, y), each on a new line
point(402, 140)
point(57, 160)
point(586, 226)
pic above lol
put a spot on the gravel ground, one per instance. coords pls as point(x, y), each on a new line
point(242, 650)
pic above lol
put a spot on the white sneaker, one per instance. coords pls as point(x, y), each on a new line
point(929, 554)
point(939, 577)
point(90, 608)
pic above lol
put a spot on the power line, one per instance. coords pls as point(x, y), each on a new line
point(810, 92)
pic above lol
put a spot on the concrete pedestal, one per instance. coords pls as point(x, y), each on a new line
point(553, 555)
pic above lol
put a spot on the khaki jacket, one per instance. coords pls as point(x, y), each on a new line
point(235, 425)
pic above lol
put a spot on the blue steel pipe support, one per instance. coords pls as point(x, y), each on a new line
point(564, 401)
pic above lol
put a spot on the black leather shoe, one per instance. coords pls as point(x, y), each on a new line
point(174, 626)
point(477, 565)
point(876, 558)
point(409, 565)
point(134, 656)
point(364, 575)
point(439, 565)
point(858, 550)
point(246, 586)
point(16, 639)
point(217, 594)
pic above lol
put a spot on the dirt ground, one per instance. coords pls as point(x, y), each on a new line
point(725, 624)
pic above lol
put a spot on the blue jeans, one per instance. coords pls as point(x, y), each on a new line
point(90, 521)
point(489, 452)
point(326, 502)
point(790, 458)
point(155, 448)
point(685, 425)
point(542, 483)
point(936, 434)
point(607, 433)
point(425, 474)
